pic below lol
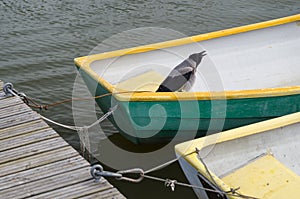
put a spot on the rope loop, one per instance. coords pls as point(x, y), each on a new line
point(132, 171)
point(97, 173)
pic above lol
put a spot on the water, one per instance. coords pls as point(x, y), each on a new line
point(39, 40)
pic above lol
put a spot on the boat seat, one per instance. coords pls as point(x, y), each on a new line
point(265, 177)
point(148, 81)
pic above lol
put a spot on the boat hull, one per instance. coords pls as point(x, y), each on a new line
point(163, 121)
point(250, 75)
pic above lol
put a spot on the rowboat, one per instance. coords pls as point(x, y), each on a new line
point(250, 74)
point(260, 160)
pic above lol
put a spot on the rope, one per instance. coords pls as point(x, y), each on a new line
point(232, 191)
point(171, 183)
point(83, 131)
point(76, 128)
point(84, 141)
point(167, 163)
point(32, 103)
point(206, 168)
point(175, 182)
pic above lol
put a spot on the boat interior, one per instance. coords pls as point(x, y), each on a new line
point(257, 59)
point(258, 163)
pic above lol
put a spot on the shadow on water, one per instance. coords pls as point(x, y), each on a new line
point(149, 188)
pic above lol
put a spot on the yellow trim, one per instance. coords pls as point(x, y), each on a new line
point(201, 143)
point(84, 64)
point(165, 96)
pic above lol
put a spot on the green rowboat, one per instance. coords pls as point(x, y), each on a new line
point(251, 73)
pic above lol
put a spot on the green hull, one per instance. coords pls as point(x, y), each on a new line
point(163, 121)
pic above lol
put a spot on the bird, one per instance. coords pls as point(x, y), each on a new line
point(182, 77)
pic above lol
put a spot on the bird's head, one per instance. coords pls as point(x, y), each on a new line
point(197, 57)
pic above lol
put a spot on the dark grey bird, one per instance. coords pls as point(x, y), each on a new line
point(182, 77)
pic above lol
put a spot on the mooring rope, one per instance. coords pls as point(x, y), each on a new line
point(168, 182)
point(97, 174)
point(171, 183)
point(32, 103)
point(82, 131)
point(156, 168)
point(77, 128)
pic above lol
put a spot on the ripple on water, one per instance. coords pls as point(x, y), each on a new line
point(39, 40)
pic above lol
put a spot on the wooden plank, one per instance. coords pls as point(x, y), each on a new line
point(110, 193)
point(47, 184)
point(22, 129)
point(13, 110)
point(9, 101)
point(37, 160)
point(2, 95)
point(42, 172)
point(28, 150)
point(18, 119)
point(26, 139)
point(78, 190)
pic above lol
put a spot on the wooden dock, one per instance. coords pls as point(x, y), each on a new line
point(35, 162)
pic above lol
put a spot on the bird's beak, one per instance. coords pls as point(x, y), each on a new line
point(203, 53)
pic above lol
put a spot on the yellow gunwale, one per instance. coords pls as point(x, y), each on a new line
point(252, 129)
point(84, 64)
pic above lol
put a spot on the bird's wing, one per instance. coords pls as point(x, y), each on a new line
point(183, 71)
point(184, 67)
point(176, 79)
point(186, 63)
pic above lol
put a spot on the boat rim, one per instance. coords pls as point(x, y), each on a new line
point(83, 63)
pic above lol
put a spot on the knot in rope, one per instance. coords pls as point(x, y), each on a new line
point(170, 183)
point(233, 190)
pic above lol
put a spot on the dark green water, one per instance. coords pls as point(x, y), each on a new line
point(39, 39)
